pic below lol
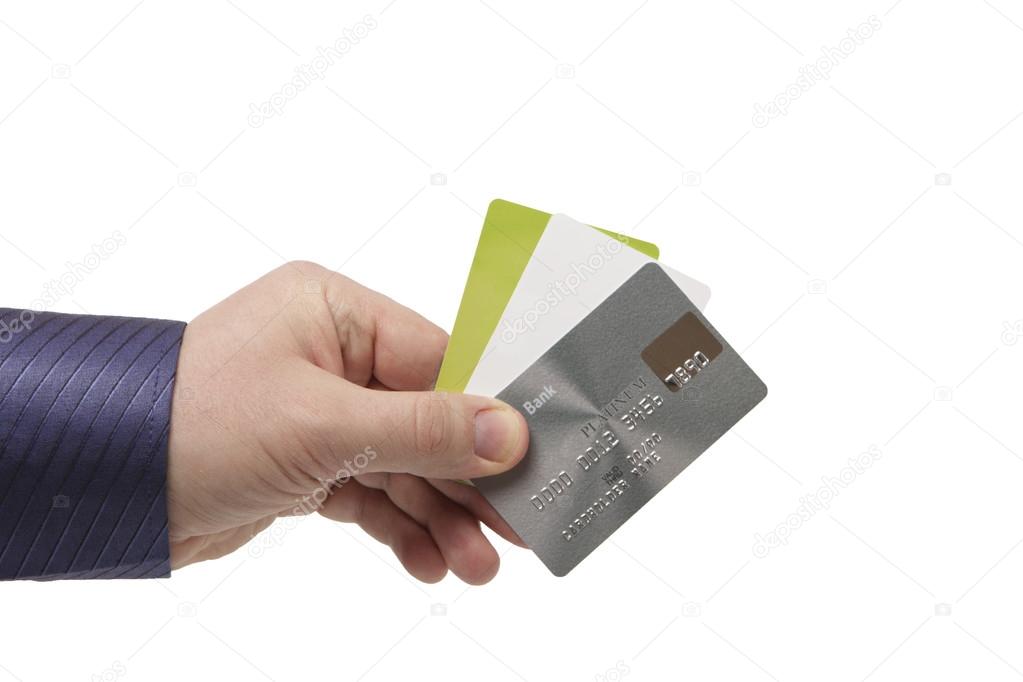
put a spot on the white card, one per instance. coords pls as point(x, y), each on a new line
point(573, 269)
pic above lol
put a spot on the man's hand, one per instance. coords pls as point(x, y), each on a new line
point(307, 392)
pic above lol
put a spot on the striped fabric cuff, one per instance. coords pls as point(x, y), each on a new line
point(84, 416)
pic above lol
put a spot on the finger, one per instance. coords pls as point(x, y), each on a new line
point(402, 348)
point(467, 552)
point(471, 498)
point(386, 523)
point(440, 435)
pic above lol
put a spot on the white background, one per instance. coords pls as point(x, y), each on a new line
point(859, 286)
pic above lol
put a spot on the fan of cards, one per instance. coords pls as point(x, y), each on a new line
point(622, 380)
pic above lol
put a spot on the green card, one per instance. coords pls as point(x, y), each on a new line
point(510, 234)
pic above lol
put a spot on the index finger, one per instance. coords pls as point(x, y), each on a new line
point(406, 349)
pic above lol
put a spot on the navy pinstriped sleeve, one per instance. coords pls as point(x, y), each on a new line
point(84, 418)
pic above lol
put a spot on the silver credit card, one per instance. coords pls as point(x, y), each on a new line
point(616, 409)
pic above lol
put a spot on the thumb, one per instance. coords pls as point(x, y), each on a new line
point(435, 434)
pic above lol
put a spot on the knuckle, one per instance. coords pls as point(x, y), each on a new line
point(401, 485)
point(301, 275)
point(432, 430)
point(304, 266)
point(360, 508)
point(436, 339)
